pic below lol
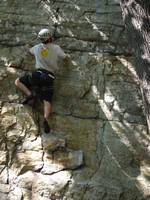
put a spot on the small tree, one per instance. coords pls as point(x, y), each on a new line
point(136, 16)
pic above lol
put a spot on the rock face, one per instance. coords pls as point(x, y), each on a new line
point(99, 147)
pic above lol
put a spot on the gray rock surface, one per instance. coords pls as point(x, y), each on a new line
point(99, 148)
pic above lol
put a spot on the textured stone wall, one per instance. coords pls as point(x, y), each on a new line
point(99, 147)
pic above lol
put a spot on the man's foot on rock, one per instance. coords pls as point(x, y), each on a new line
point(46, 126)
point(29, 100)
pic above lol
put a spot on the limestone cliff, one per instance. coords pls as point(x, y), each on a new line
point(99, 147)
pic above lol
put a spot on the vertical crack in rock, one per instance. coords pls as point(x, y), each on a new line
point(92, 103)
point(12, 154)
point(36, 116)
point(7, 160)
point(101, 139)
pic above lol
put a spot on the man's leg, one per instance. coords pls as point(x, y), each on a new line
point(47, 109)
point(46, 97)
point(47, 112)
point(22, 87)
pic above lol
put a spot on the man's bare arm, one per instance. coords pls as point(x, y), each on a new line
point(27, 49)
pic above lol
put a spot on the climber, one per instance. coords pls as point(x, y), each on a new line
point(46, 56)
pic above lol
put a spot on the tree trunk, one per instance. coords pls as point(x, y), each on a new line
point(136, 15)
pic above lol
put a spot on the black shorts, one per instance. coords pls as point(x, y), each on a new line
point(40, 82)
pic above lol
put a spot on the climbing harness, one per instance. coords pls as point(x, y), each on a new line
point(50, 74)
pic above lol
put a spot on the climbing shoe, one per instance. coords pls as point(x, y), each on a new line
point(46, 126)
point(29, 100)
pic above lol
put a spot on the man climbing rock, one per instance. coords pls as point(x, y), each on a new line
point(41, 80)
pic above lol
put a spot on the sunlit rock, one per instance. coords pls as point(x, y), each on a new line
point(61, 160)
point(15, 194)
point(3, 157)
point(7, 109)
point(8, 121)
point(27, 160)
point(7, 176)
point(4, 191)
point(40, 186)
point(26, 180)
point(51, 142)
point(32, 144)
point(13, 97)
point(99, 146)
point(50, 186)
point(70, 159)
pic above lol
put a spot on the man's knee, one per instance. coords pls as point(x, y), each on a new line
point(47, 104)
point(17, 82)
